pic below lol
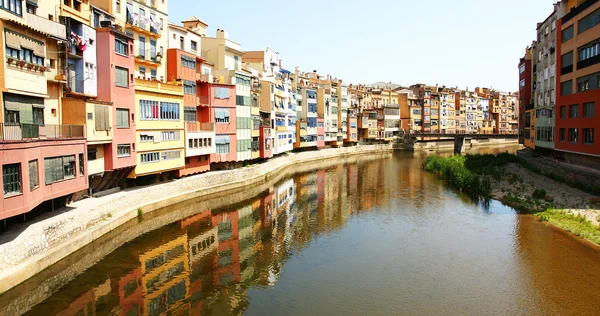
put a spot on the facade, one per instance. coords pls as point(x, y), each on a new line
point(525, 90)
point(578, 98)
point(42, 158)
point(185, 65)
point(544, 93)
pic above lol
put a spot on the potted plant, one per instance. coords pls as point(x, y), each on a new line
point(21, 63)
point(43, 68)
point(10, 59)
point(36, 67)
point(30, 66)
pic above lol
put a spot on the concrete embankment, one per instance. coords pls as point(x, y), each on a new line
point(44, 243)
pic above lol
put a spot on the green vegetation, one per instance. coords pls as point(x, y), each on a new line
point(454, 170)
point(576, 224)
point(139, 212)
point(539, 194)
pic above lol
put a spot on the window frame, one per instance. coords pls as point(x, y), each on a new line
point(120, 111)
point(126, 71)
point(123, 155)
point(33, 185)
point(13, 187)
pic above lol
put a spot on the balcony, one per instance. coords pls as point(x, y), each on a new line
point(46, 26)
point(149, 57)
point(156, 86)
point(143, 27)
point(32, 132)
point(199, 127)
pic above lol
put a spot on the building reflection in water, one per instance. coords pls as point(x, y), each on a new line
point(206, 263)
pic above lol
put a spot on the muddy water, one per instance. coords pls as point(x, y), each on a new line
point(371, 236)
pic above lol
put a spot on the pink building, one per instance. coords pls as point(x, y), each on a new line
point(222, 98)
point(320, 132)
point(116, 85)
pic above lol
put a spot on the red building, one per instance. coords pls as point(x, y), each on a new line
point(525, 91)
point(115, 51)
point(578, 92)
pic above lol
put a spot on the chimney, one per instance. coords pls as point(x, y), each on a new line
point(221, 34)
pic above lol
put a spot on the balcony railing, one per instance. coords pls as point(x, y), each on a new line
point(199, 127)
point(149, 56)
point(20, 132)
point(203, 78)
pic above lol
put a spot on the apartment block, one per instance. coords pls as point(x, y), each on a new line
point(578, 98)
point(544, 93)
point(42, 158)
point(526, 102)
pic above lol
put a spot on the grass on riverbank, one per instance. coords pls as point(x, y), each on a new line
point(454, 170)
point(577, 225)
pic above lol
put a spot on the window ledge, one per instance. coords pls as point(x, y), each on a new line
point(12, 195)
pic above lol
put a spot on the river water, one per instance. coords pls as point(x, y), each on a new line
point(368, 236)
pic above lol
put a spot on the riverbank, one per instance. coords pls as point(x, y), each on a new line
point(43, 243)
point(515, 182)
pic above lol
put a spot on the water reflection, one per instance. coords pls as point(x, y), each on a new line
point(365, 237)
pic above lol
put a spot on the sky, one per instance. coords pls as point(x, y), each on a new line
point(464, 43)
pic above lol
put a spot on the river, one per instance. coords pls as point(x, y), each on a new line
point(369, 236)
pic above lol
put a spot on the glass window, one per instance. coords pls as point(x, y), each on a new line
point(588, 21)
point(588, 136)
point(124, 150)
point(59, 168)
point(169, 111)
point(573, 135)
point(566, 88)
point(567, 33)
point(142, 47)
point(33, 175)
point(221, 115)
point(574, 111)
point(189, 87)
point(122, 77)
point(563, 112)
point(149, 158)
point(149, 110)
point(11, 178)
point(194, 46)
point(589, 109)
point(121, 47)
point(81, 166)
point(122, 118)
point(189, 114)
point(14, 6)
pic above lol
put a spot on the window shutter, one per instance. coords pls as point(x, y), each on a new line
point(106, 111)
point(99, 117)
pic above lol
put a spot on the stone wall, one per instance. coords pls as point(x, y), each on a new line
point(571, 173)
point(46, 242)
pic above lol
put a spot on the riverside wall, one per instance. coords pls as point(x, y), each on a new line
point(44, 243)
point(448, 144)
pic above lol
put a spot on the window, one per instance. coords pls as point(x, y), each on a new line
point(102, 117)
point(122, 77)
point(14, 53)
point(236, 60)
point(222, 143)
point(118, 6)
point(27, 55)
point(149, 157)
point(38, 116)
point(142, 47)
point(149, 110)
point(11, 178)
point(142, 71)
point(589, 109)
point(122, 118)
point(574, 111)
point(169, 111)
point(13, 6)
point(221, 115)
point(146, 138)
point(522, 83)
point(573, 135)
point(588, 136)
point(59, 168)
point(221, 93)
point(189, 114)
point(181, 43)
point(169, 135)
point(566, 88)
point(171, 155)
point(33, 175)
point(194, 46)
point(567, 33)
point(121, 47)
point(188, 62)
point(522, 68)
point(589, 82)
point(566, 63)
point(31, 8)
point(563, 111)
point(81, 166)
point(587, 54)
point(588, 21)
point(92, 154)
point(153, 55)
point(124, 150)
point(562, 134)
point(189, 87)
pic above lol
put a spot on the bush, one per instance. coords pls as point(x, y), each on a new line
point(454, 171)
point(539, 194)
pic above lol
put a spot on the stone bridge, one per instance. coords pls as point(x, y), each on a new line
point(407, 141)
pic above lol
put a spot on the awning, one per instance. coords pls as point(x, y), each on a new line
point(33, 2)
point(284, 71)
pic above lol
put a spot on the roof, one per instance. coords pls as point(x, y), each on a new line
point(385, 85)
point(194, 18)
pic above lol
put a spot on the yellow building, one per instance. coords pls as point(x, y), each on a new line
point(160, 141)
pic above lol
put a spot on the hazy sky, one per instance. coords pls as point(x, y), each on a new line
point(463, 43)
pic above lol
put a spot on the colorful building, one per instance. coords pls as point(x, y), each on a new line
point(42, 158)
point(578, 98)
point(525, 89)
